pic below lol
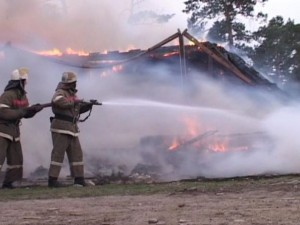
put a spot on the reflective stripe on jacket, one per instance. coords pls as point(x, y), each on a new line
point(12, 103)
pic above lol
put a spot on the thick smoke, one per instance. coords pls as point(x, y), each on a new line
point(92, 26)
point(156, 104)
point(159, 104)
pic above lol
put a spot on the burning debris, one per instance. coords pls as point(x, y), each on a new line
point(162, 160)
point(162, 150)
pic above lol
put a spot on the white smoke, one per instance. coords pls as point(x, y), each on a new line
point(156, 104)
point(136, 107)
point(92, 26)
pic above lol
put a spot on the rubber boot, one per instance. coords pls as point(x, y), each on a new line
point(8, 185)
point(79, 181)
point(53, 183)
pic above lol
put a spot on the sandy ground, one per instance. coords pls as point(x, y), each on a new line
point(271, 204)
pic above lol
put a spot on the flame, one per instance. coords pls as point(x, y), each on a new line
point(192, 126)
point(170, 54)
point(175, 144)
point(57, 52)
point(53, 52)
point(218, 147)
point(193, 137)
point(192, 131)
point(70, 51)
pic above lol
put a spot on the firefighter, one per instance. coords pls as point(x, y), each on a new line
point(64, 130)
point(14, 107)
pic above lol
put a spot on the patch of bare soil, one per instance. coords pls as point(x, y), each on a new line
point(259, 204)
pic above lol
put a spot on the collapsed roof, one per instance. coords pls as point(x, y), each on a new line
point(205, 57)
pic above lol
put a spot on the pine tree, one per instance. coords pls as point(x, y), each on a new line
point(224, 14)
point(278, 50)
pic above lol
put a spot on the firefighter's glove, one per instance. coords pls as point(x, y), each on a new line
point(37, 107)
point(30, 112)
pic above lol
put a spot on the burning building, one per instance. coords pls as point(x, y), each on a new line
point(204, 57)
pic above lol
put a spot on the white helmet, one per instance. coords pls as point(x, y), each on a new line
point(68, 77)
point(20, 74)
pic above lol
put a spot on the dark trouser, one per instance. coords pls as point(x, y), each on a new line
point(66, 143)
point(12, 151)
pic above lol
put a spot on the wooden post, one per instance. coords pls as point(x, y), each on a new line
point(182, 56)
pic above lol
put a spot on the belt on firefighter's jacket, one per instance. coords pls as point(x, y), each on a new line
point(65, 118)
point(7, 122)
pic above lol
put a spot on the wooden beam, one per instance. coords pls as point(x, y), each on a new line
point(194, 139)
point(167, 40)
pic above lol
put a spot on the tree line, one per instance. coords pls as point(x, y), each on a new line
point(273, 47)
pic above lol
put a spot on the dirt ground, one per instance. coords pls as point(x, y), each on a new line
point(274, 203)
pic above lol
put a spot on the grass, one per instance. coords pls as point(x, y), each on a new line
point(205, 186)
point(91, 191)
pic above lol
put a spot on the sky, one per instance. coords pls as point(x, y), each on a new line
point(286, 8)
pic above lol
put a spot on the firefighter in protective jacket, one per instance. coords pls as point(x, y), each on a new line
point(13, 107)
point(64, 130)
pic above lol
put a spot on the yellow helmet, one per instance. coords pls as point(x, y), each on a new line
point(20, 74)
point(68, 77)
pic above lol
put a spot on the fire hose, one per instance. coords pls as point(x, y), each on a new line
point(91, 102)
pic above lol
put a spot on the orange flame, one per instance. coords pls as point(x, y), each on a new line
point(53, 52)
point(192, 126)
point(170, 54)
point(57, 52)
point(192, 131)
point(175, 144)
point(70, 51)
point(215, 144)
point(218, 147)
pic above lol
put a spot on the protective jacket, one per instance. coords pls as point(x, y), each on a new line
point(67, 109)
point(12, 104)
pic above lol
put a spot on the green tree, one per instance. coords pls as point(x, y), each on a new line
point(225, 15)
point(218, 32)
point(277, 52)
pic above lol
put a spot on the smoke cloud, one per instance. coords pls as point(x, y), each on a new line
point(135, 108)
point(145, 107)
point(92, 26)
